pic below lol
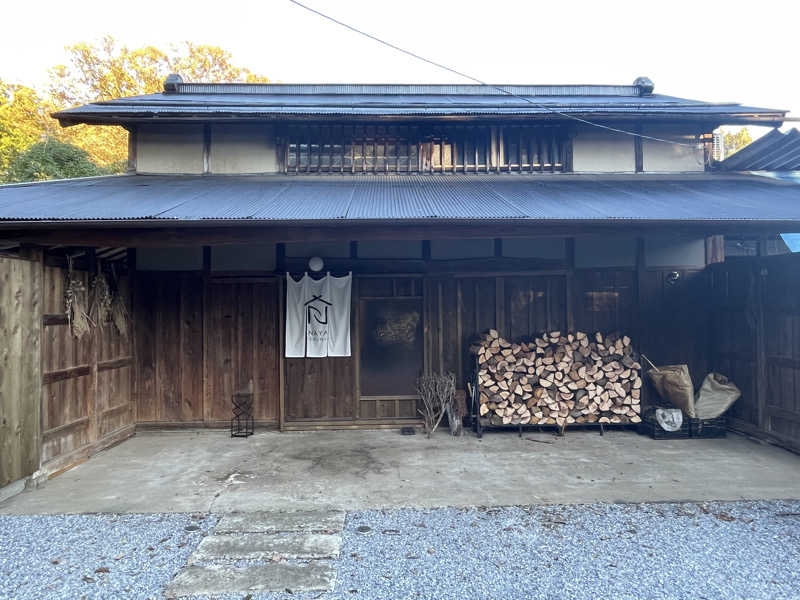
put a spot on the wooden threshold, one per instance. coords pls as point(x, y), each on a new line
point(63, 463)
point(350, 425)
point(177, 425)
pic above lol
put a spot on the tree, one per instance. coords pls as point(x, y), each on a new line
point(108, 70)
point(101, 72)
point(51, 159)
point(24, 120)
point(736, 141)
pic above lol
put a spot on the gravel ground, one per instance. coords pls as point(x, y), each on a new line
point(747, 550)
point(95, 556)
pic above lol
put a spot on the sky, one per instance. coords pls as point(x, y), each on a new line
point(702, 49)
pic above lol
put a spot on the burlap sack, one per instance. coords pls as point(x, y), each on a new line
point(715, 396)
point(674, 384)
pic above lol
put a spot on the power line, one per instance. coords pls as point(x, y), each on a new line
point(483, 83)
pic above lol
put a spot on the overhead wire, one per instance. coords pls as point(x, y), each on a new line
point(489, 85)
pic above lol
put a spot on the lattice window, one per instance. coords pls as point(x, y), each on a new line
point(425, 149)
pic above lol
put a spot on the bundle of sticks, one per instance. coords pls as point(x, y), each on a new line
point(558, 379)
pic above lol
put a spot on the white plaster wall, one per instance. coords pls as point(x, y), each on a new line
point(605, 251)
point(244, 257)
point(466, 248)
point(550, 248)
point(242, 148)
point(661, 157)
point(598, 151)
point(321, 249)
point(188, 258)
point(390, 249)
point(675, 251)
point(169, 149)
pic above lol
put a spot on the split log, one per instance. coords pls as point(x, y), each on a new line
point(558, 379)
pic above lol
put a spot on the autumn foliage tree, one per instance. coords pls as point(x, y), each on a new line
point(24, 120)
point(52, 159)
point(103, 71)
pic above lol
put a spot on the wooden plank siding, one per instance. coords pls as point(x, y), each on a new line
point(241, 320)
point(87, 383)
point(20, 369)
point(230, 330)
point(198, 342)
point(756, 341)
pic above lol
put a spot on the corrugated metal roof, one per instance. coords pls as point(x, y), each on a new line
point(776, 151)
point(374, 101)
point(339, 198)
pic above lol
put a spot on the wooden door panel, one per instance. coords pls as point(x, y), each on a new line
point(243, 345)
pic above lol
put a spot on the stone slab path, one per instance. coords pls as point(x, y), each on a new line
point(280, 551)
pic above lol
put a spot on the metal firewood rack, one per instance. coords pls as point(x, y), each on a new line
point(474, 420)
point(242, 423)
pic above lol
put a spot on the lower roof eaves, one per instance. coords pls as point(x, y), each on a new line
point(160, 200)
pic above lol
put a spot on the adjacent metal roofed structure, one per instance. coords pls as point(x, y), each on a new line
point(775, 151)
point(702, 199)
point(181, 101)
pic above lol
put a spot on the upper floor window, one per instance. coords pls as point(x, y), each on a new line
point(425, 149)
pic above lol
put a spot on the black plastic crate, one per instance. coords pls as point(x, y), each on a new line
point(650, 427)
point(708, 428)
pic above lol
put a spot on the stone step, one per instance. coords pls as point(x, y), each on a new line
point(270, 522)
point(260, 546)
point(275, 577)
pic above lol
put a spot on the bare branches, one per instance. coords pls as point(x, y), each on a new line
point(437, 393)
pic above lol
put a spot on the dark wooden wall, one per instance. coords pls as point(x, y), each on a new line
point(20, 375)
point(667, 327)
point(756, 342)
point(86, 399)
point(198, 341)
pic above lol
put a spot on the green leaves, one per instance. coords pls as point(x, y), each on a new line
point(99, 71)
point(52, 159)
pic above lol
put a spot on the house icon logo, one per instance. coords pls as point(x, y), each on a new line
point(317, 311)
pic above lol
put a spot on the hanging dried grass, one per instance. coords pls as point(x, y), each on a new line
point(75, 298)
point(102, 300)
point(119, 312)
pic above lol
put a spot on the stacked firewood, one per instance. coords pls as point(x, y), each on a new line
point(558, 379)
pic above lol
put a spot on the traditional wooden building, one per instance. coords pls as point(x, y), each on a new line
point(455, 207)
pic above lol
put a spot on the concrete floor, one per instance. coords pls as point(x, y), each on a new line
point(208, 471)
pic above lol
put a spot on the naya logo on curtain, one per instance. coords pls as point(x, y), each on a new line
point(318, 316)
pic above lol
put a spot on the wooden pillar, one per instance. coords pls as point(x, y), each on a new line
point(95, 334)
point(570, 284)
point(761, 273)
point(499, 305)
point(355, 332)
point(281, 353)
point(715, 249)
point(130, 263)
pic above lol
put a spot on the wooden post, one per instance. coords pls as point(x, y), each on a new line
point(499, 305)
point(638, 293)
point(94, 336)
point(355, 328)
point(761, 274)
point(281, 353)
point(637, 150)
point(570, 284)
point(130, 262)
point(206, 149)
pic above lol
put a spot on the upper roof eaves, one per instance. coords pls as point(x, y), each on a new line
point(281, 100)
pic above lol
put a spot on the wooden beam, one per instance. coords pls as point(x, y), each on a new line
point(243, 233)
